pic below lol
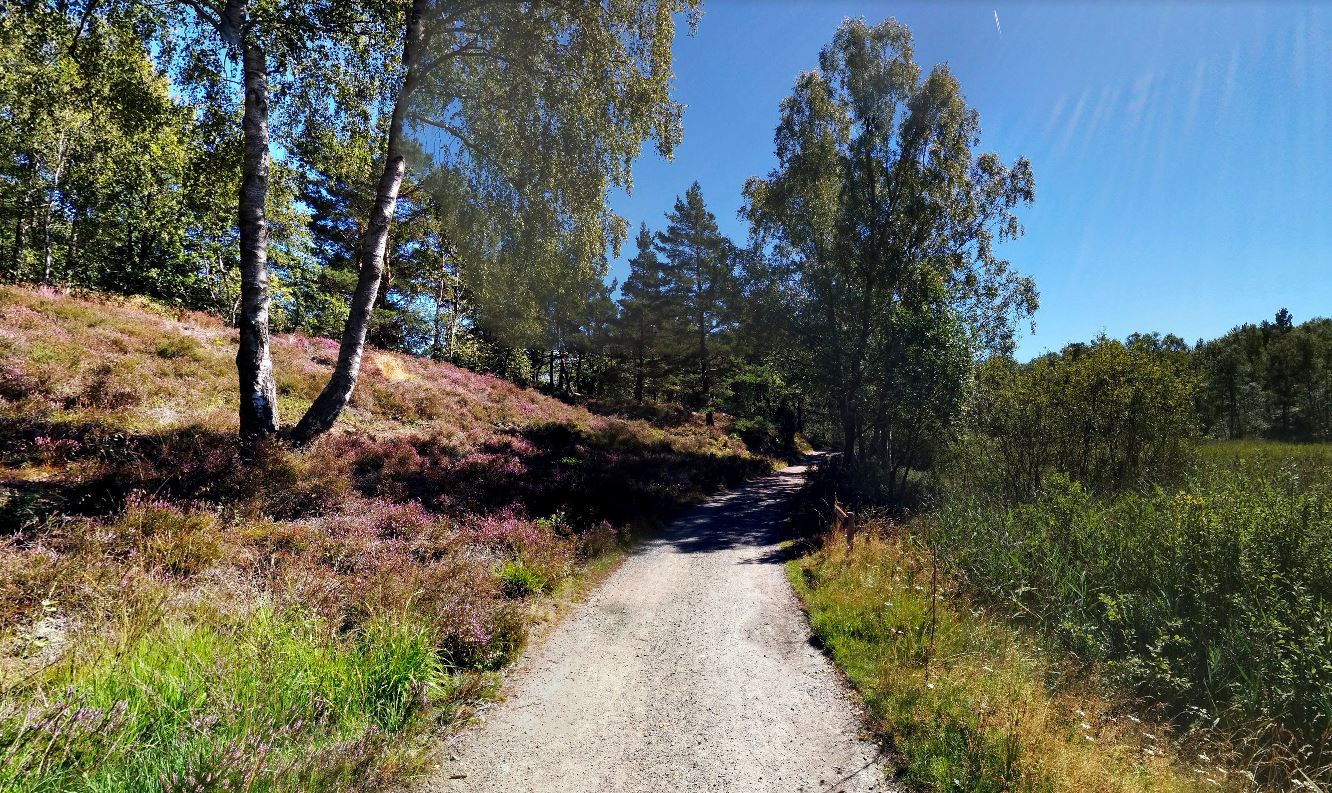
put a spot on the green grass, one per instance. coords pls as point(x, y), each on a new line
point(961, 700)
point(521, 580)
point(270, 702)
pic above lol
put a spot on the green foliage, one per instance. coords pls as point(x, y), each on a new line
point(1272, 380)
point(962, 702)
point(645, 319)
point(102, 179)
point(1212, 598)
point(702, 289)
point(1109, 415)
point(521, 581)
point(883, 221)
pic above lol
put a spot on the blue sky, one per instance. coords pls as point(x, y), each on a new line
point(1182, 152)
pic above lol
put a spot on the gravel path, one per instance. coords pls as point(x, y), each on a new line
point(689, 669)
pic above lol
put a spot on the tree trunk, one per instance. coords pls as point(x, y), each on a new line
point(335, 396)
point(437, 343)
point(254, 363)
point(16, 260)
point(72, 249)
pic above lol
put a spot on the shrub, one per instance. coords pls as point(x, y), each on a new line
point(163, 536)
point(1108, 415)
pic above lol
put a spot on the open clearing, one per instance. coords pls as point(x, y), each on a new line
point(689, 669)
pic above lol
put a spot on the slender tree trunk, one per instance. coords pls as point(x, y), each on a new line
point(335, 396)
point(254, 363)
point(436, 346)
point(72, 249)
point(16, 259)
point(48, 210)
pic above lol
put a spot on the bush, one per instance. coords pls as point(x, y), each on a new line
point(1109, 415)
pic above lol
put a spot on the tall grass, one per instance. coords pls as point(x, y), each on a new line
point(1212, 598)
point(962, 701)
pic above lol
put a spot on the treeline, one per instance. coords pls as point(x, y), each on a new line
point(857, 310)
point(399, 182)
point(1270, 380)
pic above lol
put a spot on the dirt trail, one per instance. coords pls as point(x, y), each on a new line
point(689, 669)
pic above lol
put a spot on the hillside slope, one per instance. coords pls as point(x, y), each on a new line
point(172, 611)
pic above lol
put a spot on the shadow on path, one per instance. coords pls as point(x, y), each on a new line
point(752, 516)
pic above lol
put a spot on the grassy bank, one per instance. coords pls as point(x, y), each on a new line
point(176, 615)
point(960, 699)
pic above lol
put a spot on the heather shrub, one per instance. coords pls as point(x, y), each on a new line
point(388, 561)
point(161, 535)
point(598, 541)
point(111, 387)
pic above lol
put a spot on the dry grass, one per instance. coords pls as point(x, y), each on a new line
point(965, 702)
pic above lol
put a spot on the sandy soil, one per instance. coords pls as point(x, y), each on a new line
point(689, 669)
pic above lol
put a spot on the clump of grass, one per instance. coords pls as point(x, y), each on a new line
point(520, 580)
point(961, 700)
point(180, 346)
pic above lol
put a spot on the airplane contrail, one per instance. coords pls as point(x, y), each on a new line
point(996, 22)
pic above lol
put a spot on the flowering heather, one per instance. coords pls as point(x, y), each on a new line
point(281, 620)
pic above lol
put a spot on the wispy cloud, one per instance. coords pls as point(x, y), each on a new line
point(996, 22)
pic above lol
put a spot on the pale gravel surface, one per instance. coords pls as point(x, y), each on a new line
point(688, 669)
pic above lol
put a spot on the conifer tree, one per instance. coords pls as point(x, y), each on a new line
point(643, 325)
point(703, 288)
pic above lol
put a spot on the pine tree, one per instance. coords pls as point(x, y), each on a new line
point(703, 288)
point(643, 325)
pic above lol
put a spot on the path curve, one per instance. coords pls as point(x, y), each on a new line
point(688, 669)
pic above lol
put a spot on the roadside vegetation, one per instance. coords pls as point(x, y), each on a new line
point(184, 612)
point(963, 701)
point(1150, 575)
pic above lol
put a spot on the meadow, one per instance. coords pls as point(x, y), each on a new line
point(182, 612)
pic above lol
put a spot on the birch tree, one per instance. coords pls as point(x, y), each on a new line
point(542, 108)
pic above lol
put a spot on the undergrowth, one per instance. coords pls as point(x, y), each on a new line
point(1211, 598)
